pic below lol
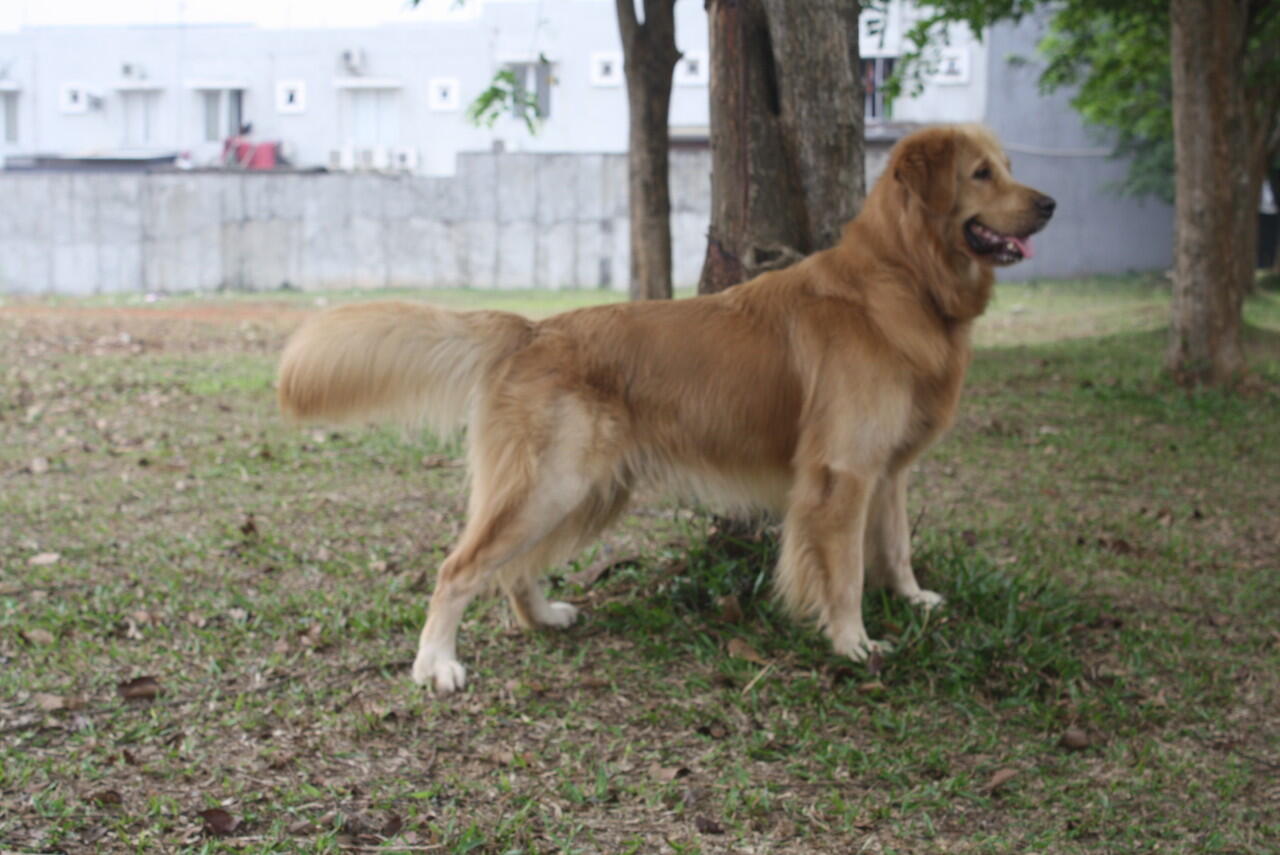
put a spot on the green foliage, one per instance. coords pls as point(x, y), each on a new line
point(1117, 53)
point(1120, 62)
point(505, 94)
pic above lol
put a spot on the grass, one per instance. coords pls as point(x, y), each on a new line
point(1107, 543)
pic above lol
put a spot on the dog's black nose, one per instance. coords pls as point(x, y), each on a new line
point(1045, 205)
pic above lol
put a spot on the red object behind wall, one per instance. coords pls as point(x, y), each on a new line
point(243, 154)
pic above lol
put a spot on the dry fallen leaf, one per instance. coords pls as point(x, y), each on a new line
point(666, 774)
point(875, 662)
point(501, 756)
point(708, 826)
point(218, 822)
point(730, 609)
point(1074, 739)
point(48, 702)
point(37, 635)
point(999, 779)
point(739, 649)
point(107, 798)
point(139, 689)
point(44, 559)
point(39, 465)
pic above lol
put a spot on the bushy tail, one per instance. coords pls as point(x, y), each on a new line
point(403, 362)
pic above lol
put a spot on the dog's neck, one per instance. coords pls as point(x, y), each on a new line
point(893, 239)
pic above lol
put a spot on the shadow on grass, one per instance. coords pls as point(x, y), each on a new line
point(1001, 637)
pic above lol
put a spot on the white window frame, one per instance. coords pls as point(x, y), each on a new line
point(73, 99)
point(147, 99)
point(542, 76)
point(692, 69)
point(606, 69)
point(10, 120)
point(225, 127)
point(299, 102)
point(444, 94)
point(881, 67)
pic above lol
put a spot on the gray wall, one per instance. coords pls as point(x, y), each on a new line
point(504, 221)
point(1095, 230)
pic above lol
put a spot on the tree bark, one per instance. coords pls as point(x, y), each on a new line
point(649, 48)
point(786, 133)
point(1215, 215)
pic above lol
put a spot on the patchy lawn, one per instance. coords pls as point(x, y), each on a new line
point(207, 618)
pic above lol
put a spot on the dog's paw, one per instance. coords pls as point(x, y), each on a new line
point(559, 615)
point(927, 599)
point(860, 649)
point(442, 674)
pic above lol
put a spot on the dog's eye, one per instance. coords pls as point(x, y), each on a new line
point(983, 174)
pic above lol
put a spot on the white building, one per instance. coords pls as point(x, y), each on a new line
point(391, 97)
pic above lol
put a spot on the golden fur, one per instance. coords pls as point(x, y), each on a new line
point(806, 392)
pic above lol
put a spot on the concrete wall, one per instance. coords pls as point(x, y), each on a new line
point(504, 221)
point(1095, 230)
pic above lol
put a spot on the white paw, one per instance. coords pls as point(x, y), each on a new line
point(859, 649)
point(445, 674)
point(928, 599)
point(559, 615)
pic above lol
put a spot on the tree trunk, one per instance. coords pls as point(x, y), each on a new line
point(1216, 218)
point(651, 56)
point(786, 133)
point(1274, 179)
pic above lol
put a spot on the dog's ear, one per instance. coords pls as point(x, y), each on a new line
point(927, 166)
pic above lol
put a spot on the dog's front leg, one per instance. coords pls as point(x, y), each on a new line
point(889, 541)
point(820, 572)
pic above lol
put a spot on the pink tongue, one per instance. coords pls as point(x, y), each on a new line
point(1024, 244)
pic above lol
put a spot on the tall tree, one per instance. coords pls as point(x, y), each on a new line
point(650, 52)
point(1221, 127)
point(786, 133)
point(1219, 60)
point(650, 57)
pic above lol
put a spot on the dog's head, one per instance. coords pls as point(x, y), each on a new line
point(961, 178)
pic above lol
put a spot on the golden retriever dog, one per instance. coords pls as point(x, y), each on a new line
point(806, 392)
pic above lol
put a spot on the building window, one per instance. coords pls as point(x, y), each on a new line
point(139, 116)
point(532, 89)
point(9, 117)
point(72, 98)
point(291, 96)
point(223, 113)
point(442, 94)
point(373, 117)
point(692, 69)
point(606, 69)
point(875, 74)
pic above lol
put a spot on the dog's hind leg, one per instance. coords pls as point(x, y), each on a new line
point(524, 493)
point(520, 579)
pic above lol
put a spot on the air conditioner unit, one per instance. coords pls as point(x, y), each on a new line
point(404, 159)
point(353, 60)
point(132, 71)
point(341, 159)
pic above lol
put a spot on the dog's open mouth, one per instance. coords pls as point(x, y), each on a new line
point(992, 246)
